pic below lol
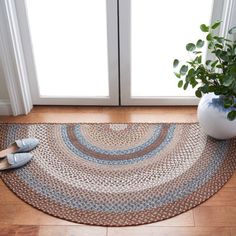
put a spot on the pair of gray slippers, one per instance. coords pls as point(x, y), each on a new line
point(16, 155)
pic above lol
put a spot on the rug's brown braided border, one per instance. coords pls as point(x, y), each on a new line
point(144, 173)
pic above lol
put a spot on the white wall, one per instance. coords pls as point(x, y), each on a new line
point(5, 107)
point(3, 88)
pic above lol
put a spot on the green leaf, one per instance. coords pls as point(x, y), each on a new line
point(232, 71)
point(199, 59)
point(219, 66)
point(183, 70)
point(210, 45)
point(208, 62)
point(177, 75)
point(228, 81)
point(204, 28)
point(227, 105)
point(190, 47)
point(219, 46)
point(229, 46)
point(191, 63)
point(200, 43)
point(175, 63)
point(191, 72)
point(219, 39)
point(218, 53)
point(194, 83)
point(204, 88)
point(198, 93)
point(180, 84)
point(213, 64)
point(232, 30)
point(186, 85)
point(216, 24)
point(211, 89)
point(223, 56)
point(228, 102)
point(231, 115)
point(209, 37)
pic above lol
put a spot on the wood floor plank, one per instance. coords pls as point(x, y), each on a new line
point(233, 231)
point(59, 114)
point(15, 230)
point(185, 219)
point(104, 109)
point(1, 183)
point(8, 197)
point(72, 231)
point(52, 231)
point(33, 216)
point(86, 230)
point(7, 230)
point(232, 182)
point(169, 231)
point(8, 213)
point(27, 230)
point(215, 216)
point(225, 197)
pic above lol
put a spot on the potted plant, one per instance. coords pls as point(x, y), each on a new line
point(214, 81)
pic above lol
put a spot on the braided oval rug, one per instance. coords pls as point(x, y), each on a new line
point(118, 174)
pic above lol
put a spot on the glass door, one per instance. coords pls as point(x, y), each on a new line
point(152, 34)
point(77, 52)
point(71, 50)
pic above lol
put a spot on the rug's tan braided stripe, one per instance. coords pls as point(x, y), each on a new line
point(118, 174)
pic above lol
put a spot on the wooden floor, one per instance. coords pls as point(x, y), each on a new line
point(217, 216)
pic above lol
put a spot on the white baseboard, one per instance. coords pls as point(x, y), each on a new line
point(5, 107)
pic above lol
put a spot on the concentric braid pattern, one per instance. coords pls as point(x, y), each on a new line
point(118, 174)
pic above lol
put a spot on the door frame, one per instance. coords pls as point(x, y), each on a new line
point(12, 60)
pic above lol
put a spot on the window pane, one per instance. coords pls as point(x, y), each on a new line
point(159, 32)
point(69, 40)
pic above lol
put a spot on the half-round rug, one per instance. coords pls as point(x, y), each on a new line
point(118, 174)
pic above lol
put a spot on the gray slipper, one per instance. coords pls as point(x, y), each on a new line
point(12, 161)
point(20, 145)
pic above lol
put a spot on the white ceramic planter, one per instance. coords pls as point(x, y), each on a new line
point(212, 117)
